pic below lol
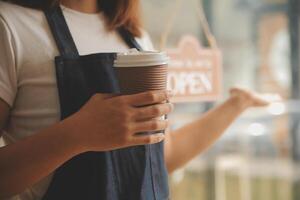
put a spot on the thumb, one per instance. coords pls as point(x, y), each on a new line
point(107, 95)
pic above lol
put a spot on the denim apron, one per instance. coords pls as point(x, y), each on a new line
point(134, 173)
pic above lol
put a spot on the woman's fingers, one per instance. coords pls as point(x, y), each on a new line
point(148, 139)
point(153, 111)
point(148, 98)
point(152, 125)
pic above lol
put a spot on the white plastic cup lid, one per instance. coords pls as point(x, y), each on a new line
point(135, 58)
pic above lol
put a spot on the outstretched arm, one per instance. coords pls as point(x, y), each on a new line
point(185, 143)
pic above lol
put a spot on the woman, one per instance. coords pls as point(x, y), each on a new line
point(66, 137)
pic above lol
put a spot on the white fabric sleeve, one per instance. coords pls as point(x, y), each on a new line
point(8, 74)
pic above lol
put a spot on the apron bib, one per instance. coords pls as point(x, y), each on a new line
point(134, 173)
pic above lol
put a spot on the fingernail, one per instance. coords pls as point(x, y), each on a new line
point(170, 93)
point(171, 106)
point(161, 137)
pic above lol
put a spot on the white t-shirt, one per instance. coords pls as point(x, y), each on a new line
point(27, 71)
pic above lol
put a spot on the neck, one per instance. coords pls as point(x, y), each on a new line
point(86, 6)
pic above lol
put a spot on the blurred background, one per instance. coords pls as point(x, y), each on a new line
point(258, 156)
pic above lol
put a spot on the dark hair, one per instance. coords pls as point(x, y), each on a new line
point(119, 13)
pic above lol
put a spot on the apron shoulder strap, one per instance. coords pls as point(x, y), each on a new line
point(61, 32)
point(63, 36)
point(129, 39)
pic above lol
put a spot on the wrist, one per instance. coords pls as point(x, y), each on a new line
point(67, 128)
point(240, 102)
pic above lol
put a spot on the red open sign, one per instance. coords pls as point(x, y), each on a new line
point(194, 72)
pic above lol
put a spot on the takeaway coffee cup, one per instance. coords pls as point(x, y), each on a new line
point(141, 71)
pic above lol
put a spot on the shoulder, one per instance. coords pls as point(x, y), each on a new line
point(10, 10)
point(7, 10)
point(145, 41)
point(20, 27)
point(6, 6)
point(22, 22)
point(7, 25)
point(18, 16)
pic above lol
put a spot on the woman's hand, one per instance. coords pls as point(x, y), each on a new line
point(247, 98)
point(107, 123)
point(193, 138)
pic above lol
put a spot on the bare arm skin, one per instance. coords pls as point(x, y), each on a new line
point(4, 112)
point(185, 143)
point(25, 162)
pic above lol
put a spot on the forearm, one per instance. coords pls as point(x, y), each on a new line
point(25, 162)
point(188, 141)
